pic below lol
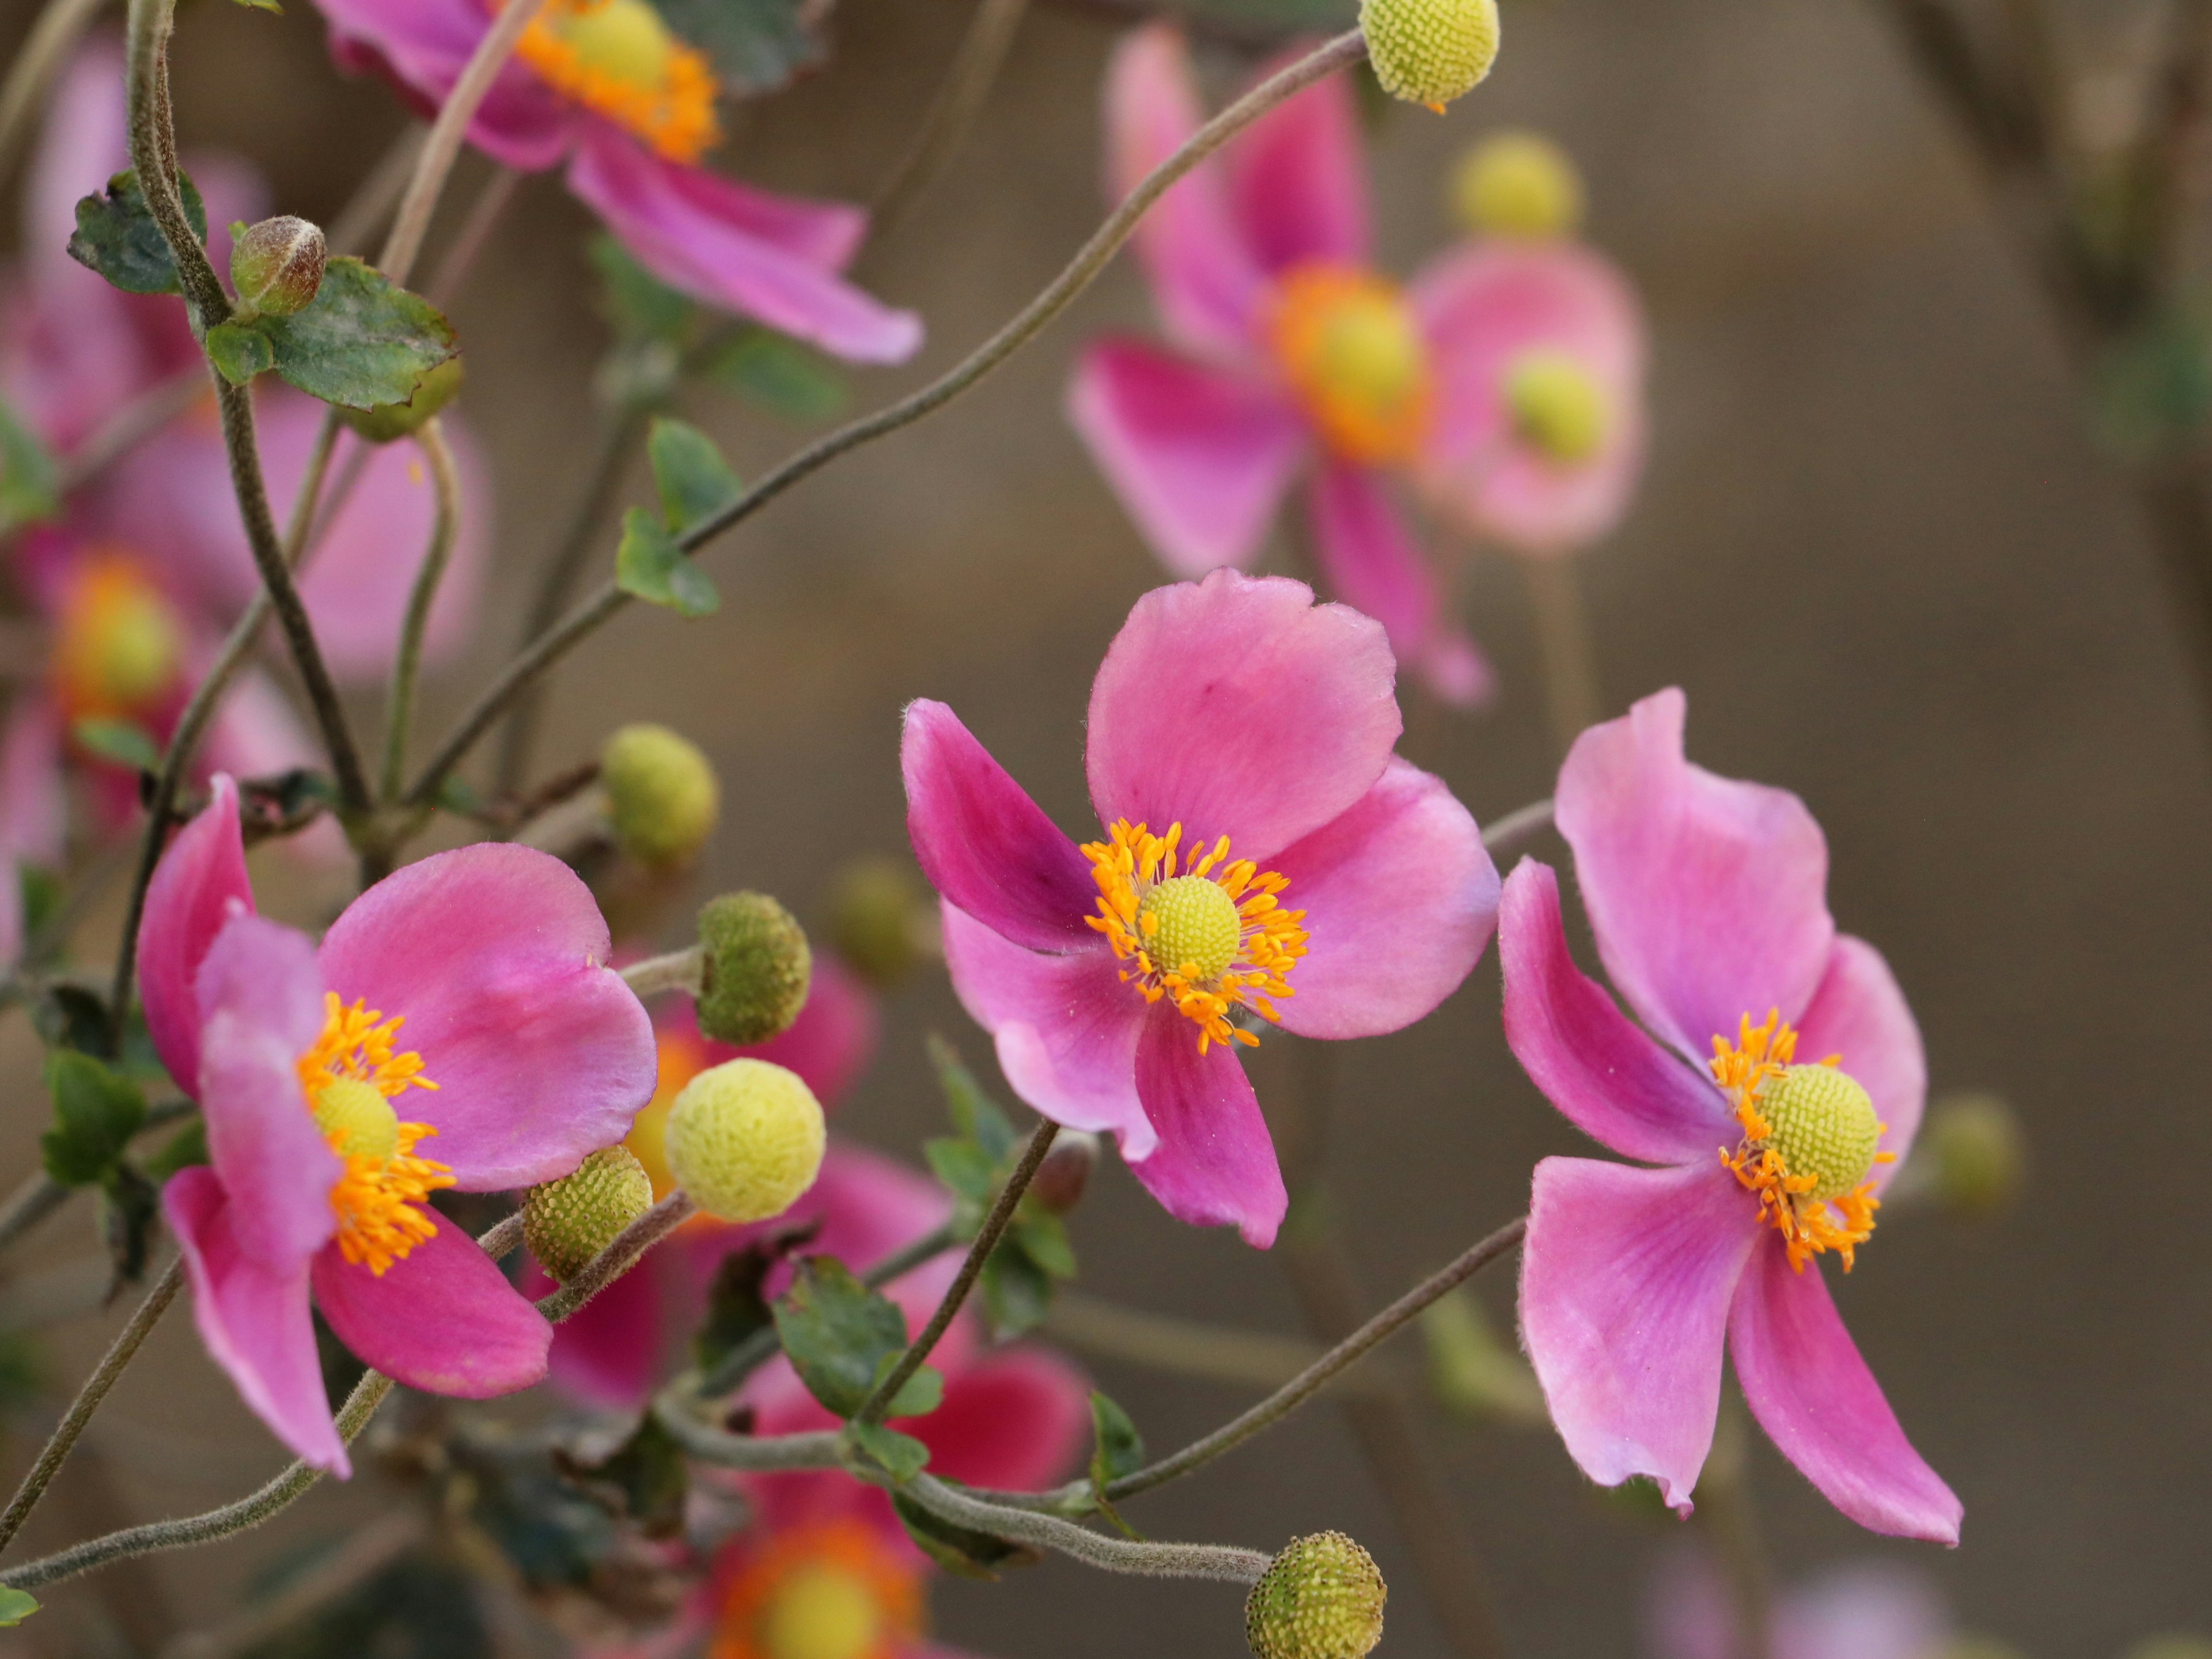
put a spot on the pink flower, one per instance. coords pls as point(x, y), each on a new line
point(1707, 898)
point(1865, 1610)
point(528, 1052)
point(608, 89)
point(1239, 749)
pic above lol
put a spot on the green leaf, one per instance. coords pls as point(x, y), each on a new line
point(901, 1454)
point(919, 1396)
point(837, 1331)
point(74, 1017)
point(650, 566)
point(15, 1606)
point(1473, 1373)
point(43, 897)
point(958, 1549)
point(968, 1170)
point(755, 45)
point(1118, 1449)
point(115, 235)
point(644, 1478)
point(638, 304)
point(362, 340)
point(736, 1306)
point(182, 1150)
point(1043, 1238)
point(778, 373)
point(264, 5)
point(124, 742)
point(1017, 1293)
point(975, 1115)
point(28, 480)
point(693, 481)
point(95, 1113)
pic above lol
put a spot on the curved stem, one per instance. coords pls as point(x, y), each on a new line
point(679, 971)
point(1523, 824)
point(1223, 1562)
point(953, 111)
point(59, 27)
point(619, 1257)
point(399, 712)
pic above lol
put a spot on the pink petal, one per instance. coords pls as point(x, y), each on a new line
point(199, 884)
point(1613, 1082)
point(609, 1353)
point(984, 844)
point(1018, 1420)
point(1625, 1281)
point(1400, 901)
point(11, 912)
point(1200, 456)
point(1868, 1610)
point(1708, 896)
point(1215, 1162)
point(83, 142)
point(739, 249)
point(833, 1039)
point(445, 1320)
point(33, 800)
point(1806, 1383)
point(1297, 178)
point(254, 1321)
point(1860, 1012)
point(1237, 706)
point(495, 955)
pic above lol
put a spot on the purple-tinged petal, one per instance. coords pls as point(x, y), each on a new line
point(608, 1353)
point(200, 884)
point(496, 956)
point(1807, 1384)
point(1016, 1420)
point(984, 844)
point(1064, 1024)
point(1237, 706)
point(833, 1039)
point(1860, 1012)
point(1625, 1280)
point(445, 1320)
point(1200, 456)
point(255, 1322)
point(1613, 1082)
point(1400, 901)
point(1215, 1162)
point(1708, 896)
point(1298, 177)
point(33, 798)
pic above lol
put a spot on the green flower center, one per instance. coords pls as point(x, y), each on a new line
point(1557, 408)
point(1822, 1124)
point(357, 1119)
point(1190, 926)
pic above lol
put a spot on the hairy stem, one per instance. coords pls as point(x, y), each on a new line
point(1223, 1562)
point(953, 111)
point(619, 1257)
point(679, 971)
point(399, 711)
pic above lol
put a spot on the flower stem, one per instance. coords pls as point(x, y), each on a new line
point(1523, 824)
point(1572, 697)
point(1190, 1347)
point(1726, 1507)
point(399, 711)
point(679, 971)
point(1225, 1563)
point(484, 214)
point(953, 111)
point(619, 1257)
point(59, 27)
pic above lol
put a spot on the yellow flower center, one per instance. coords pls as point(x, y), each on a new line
point(1212, 938)
point(1353, 351)
point(349, 1076)
point(831, 1591)
point(619, 60)
point(1557, 408)
point(1810, 1140)
point(120, 646)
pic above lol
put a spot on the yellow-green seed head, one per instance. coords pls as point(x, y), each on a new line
point(1198, 928)
point(1974, 1144)
point(1322, 1598)
point(1519, 185)
point(357, 1119)
point(1556, 406)
point(661, 793)
point(757, 968)
point(567, 1221)
point(1823, 1124)
point(745, 1139)
point(1430, 52)
point(877, 909)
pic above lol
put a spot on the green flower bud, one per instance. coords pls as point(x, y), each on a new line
point(1321, 1598)
point(276, 266)
point(389, 422)
point(877, 910)
point(744, 1139)
point(1972, 1144)
point(567, 1221)
point(1518, 184)
point(1430, 52)
point(758, 970)
point(663, 793)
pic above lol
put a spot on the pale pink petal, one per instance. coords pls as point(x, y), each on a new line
point(33, 800)
point(255, 733)
point(1298, 177)
point(445, 1320)
point(1237, 706)
point(1806, 1383)
point(609, 1353)
point(1860, 1012)
point(1868, 1610)
point(199, 885)
point(1199, 455)
point(1018, 1420)
point(1215, 1161)
point(84, 141)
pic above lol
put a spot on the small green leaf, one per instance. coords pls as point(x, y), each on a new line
point(968, 1170)
point(737, 1306)
point(644, 1478)
point(776, 373)
point(240, 350)
point(638, 304)
point(95, 1113)
point(124, 742)
point(1043, 1238)
point(15, 1606)
point(115, 235)
point(1017, 1293)
point(919, 1396)
point(974, 1112)
point(693, 481)
point(68, 1016)
point(363, 342)
point(649, 565)
point(264, 5)
point(1119, 1449)
point(958, 1549)
point(182, 1150)
point(837, 1331)
point(901, 1454)
point(43, 897)
point(28, 480)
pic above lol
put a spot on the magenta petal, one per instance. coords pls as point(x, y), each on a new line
point(1298, 179)
point(1015, 1420)
point(254, 1321)
point(1237, 706)
point(1400, 900)
point(1613, 1082)
point(33, 799)
point(984, 844)
point(1215, 1162)
point(1860, 1012)
point(1810, 1390)
point(1708, 896)
point(1199, 455)
point(445, 1320)
point(608, 1353)
point(200, 884)
point(495, 955)
point(1625, 1281)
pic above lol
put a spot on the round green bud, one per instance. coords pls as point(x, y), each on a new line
point(1520, 184)
point(276, 266)
point(1430, 52)
point(662, 793)
point(877, 907)
point(745, 1139)
point(1557, 408)
point(1321, 1598)
point(757, 968)
point(1822, 1122)
point(389, 422)
point(567, 1221)
point(1974, 1146)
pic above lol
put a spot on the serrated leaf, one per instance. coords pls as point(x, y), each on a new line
point(755, 45)
point(837, 1332)
point(239, 352)
point(1117, 1448)
point(651, 567)
point(919, 1396)
point(124, 742)
point(693, 481)
point(95, 1113)
point(1042, 1237)
point(967, 1170)
point(975, 1115)
point(958, 1549)
point(638, 304)
point(28, 478)
point(116, 236)
point(901, 1454)
point(778, 373)
point(645, 1479)
point(737, 1306)
point(362, 340)
point(15, 1606)
point(1017, 1293)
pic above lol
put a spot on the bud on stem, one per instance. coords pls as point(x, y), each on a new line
point(276, 265)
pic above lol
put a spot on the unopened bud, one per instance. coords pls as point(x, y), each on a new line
point(567, 1221)
point(1974, 1144)
point(387, 423)
point(1430, 52)
point(276, 266)
point(1518, 184)
point(662, 794)
point(745, 1139)
point(1321, 1598)
point(877, 912)
point(1060, 1180)
point(757, 968)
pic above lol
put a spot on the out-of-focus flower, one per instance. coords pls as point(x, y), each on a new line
point(1239, 756)
point(1518, 184)
point(1865, 1610)
point(524, 1054)
point(1708, 901)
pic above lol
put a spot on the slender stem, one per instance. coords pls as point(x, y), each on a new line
point(37, 1197)
point(953, 112)
point(1726, 1506)
point(619, 1257)
point(59, 27)
point(1225, 1563)
point(1188, 1348)
point(378, 193)
point(153, 157)
point(754, 1454)
point(475, 232)
point(679, 971)
point(1523, 824)
point(399, 711)
point(1572, 697)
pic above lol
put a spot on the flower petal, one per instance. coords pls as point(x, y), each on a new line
point(1859, 1011)
point(199, 884)
point(1708, 896)
point(33, 799)
point(1017, 1420)
point(1215, 1162)
point(1866, 1610)
point(1200, 456)
point(1613, 1082)
point(493, 956)
point(984, 844)
point(254, 1321)
point(445, 1320)
point(1625, 1281)
point(608, 1354)
point(1805, 1381)
point(1298, 177)
point(1237, 706)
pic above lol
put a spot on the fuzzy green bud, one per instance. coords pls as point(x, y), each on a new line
point(276, 266)
point(876, 912)
point(662, 794)
point(757, 968)
point(567, 1221)
point(1430, 52)
point(1974, 1146)
point(1321, 1598)
point(745, 1139)
point(1519, 185)
point(389, 422)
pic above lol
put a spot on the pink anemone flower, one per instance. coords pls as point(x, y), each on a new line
point(523, 1054)
point(1708, 901)
point(1239, 757)
point(605, 86)
point(1862, 1610)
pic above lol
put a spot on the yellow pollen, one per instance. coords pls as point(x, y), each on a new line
point(349, 1076)
point(619, 60)
point(1213, 938)
point(119, 646)
point(834, 1590)
point(1557, 408)
point(1353, 351)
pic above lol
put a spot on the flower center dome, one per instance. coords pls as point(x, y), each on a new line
point(834, 1590)
point(1557, 408)
point(120, 646)
point(1353, 351)
point(1190, 924)
point(618, 59)
point(349, 1076)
